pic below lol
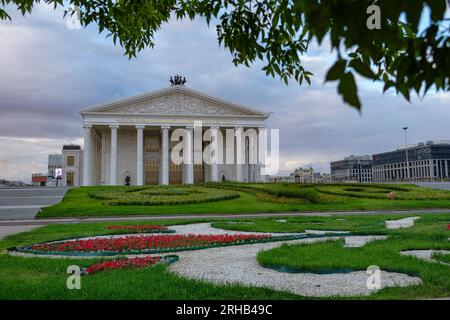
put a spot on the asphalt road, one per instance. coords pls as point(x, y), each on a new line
point(24, 203)
point(435, 185)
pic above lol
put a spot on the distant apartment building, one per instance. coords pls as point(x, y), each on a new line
point(352, 169)
point(55, 161)
point(302, 175)
point(72, 156)
point(428, 161)
point(324, 178)
point(308, 175)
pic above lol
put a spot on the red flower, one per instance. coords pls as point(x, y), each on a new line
point(122, 264)
point(448, 227)
point(151, 242)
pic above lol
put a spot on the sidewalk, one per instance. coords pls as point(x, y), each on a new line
point(32, 222)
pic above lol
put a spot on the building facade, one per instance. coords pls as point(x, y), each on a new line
point(55, 161)
point(39, 179)
point(304, 175)
point(133, 140)
point(72, 164)
point(428, 161)
point(325, 178)
point(352, 169)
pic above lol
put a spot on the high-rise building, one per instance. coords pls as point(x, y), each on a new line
point(352, 169)
point(427, 161)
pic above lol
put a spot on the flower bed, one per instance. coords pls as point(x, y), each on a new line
point(122, 264)
point(151, 244)
point(138, 243)
point(128, 263)
point(141, 229)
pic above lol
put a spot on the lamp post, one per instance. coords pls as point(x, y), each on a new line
point(406, 152)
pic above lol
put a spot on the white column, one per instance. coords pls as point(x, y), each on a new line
point(262, 152)
point(252, 155)
point(140, 156)
point(87, 166)
point(258, 164)
point(214, 173)
point(113, 176)
point(445, 168)
point(189, 155)
point(165, 155)
point(240, 152)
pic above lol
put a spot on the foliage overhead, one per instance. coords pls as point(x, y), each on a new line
point(410, 52)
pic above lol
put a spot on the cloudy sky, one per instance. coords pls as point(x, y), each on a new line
point(49, 72)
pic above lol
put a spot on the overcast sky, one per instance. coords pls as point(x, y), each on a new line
point(48, 73)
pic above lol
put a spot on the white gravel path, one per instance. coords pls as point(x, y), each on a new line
point(238, 265)
point(359, 241)
point(425, 254)
point(401, 223)
point(323, 232)
point(206, 228)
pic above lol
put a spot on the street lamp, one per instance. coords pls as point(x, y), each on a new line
point(406, 152)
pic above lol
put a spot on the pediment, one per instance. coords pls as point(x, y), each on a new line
point(174, 101)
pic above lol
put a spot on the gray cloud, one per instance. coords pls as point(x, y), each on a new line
point(49, 73)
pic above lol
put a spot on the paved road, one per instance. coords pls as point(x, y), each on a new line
point(24, 203)
point(435, 185)
point(30, 222)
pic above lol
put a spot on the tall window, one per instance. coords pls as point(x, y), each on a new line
point(70, 161)
point(70, 179)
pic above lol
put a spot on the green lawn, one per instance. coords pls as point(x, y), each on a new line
point(45, 278)
point(445, 258)
point(429, 233)
point(241, 198)
point(368, 224)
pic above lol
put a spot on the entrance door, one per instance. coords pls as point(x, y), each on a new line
point(70, 179)
point(199, 173)
point(151, 171)
point(175, 173)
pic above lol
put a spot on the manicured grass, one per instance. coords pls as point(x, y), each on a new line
point(161, 195)
point(82, 201)
point(45, 278)
point(442, 257)
point(368, 224)
point(380, 191)
point(329, 256)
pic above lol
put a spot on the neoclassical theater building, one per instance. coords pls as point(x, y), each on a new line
point(131, 138)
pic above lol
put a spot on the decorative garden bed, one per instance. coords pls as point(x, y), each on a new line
point(162, 195)
point(151, 244)
point(128, 263)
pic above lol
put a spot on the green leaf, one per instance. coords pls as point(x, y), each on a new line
point(347, 88)
point(336, 71)
point(362, 69)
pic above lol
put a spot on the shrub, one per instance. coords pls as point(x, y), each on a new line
point(382, 191)
point(279, 193)
point(152, 196)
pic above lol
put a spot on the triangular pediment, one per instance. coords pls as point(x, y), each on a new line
point(176, 100)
